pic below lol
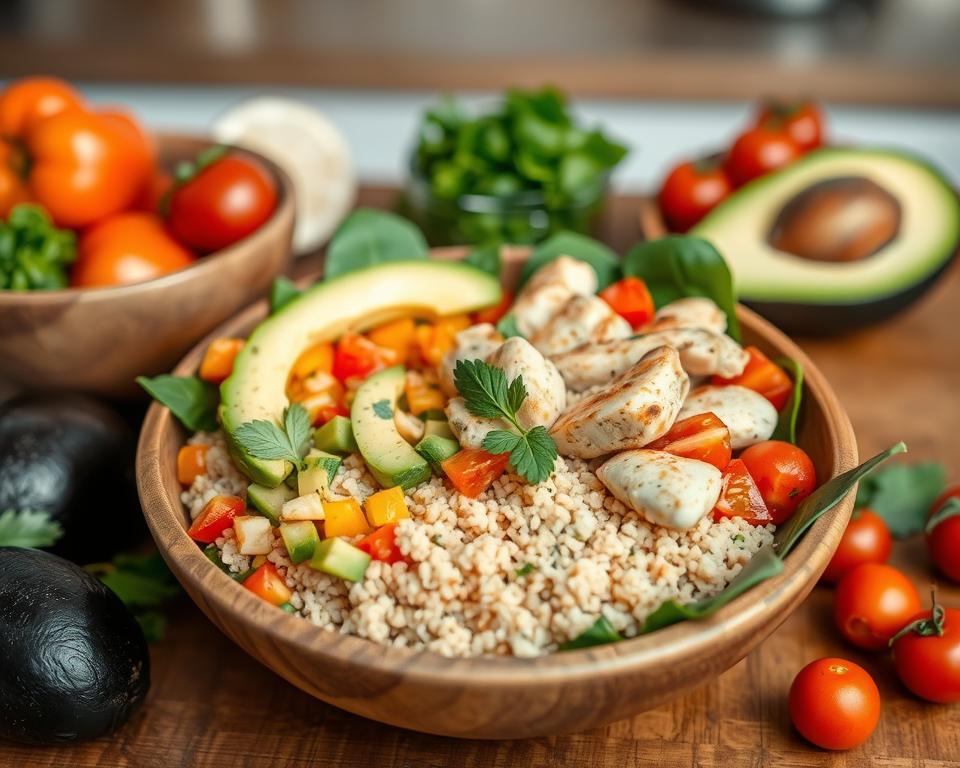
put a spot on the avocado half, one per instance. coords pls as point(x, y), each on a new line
point(838, 240)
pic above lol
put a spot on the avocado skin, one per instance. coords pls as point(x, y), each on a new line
point(73, 661)
point(72, 458)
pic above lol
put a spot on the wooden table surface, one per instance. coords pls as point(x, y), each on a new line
point(211, 705)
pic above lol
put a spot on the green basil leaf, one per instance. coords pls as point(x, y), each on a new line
point(282, 292)
point(369, 237)
point(601, 632)
point(678, 266)
point(603, 260)
point(787, 423)
point(486, 257)
point(193, 401)
point(902, 495)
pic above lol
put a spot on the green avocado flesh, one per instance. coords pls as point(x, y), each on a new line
point(913, 216)
point(354, 301)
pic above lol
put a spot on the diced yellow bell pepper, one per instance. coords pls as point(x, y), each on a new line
point(344, 518)
point(386, 506)
point(423, 392)
point(397, 335)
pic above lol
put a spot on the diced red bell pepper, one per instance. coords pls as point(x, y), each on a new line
point(358, 357)
point(740, 496)
point(762, 375)
point(215, 517)
point(702, 437)
point(494, 314)
point(382, 544)
point(327, 412)
point(267, 583)
point(630, 299)
point(472, 470)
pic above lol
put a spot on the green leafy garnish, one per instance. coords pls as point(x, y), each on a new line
point(787, 423)
point(902, 495)
point(213, 555)
point(949, 508)
point(382, 409)
point(507, 326)
point(600, 632)
point(486, 392)
point(28, 529)
point(485, 257)
point(263, 439)
point(282, 292)
point(188, 169)
point(192, 400)
point(604, 261)
point(523, 570)
point(369, 237)
point(33, 253)
point(932, 626)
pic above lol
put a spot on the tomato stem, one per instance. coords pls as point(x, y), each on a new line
point(933, 626)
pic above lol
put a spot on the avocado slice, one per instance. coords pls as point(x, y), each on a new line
point(439, 427)
point(354, 301)
point(390, 459)
point(839, 239)
point(437, 449)
point(269, 501)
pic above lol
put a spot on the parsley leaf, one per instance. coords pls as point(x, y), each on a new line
point(383, 410)
point(265, 440)
point(484, 388)
point(534, 455)
point(500, 441)
point(28, 529)
point(192, 400)
point(902, 494)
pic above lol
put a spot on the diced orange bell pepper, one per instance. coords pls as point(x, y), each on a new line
point(318, 357)
point(216, 516)
point(434, 340)
point(343, 518)
point(472, 470)
point(382, 545)
point(423, 392)
point(267, 583)
point(495, 313)
point(397, 335)
point(762, 375)
point(191, 462)
point(218, 360)
point(386, 506)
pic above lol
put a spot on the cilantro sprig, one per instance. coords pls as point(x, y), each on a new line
point(263, 439)
point(487, 394)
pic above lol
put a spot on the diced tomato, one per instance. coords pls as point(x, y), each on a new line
point(327, 412)
point(358, 357)
point(702, 437)
point(630, 299)
point(218, 360)
point(267, 583)
point(398, 335)
point(215, 517)
point(740, 496)
point(382, 544)
point(318, 357)
point(493, 314)
point(472, 470)
point(191, 462)
point(762, 375)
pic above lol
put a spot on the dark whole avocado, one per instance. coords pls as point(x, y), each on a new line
point(73, 660)
point(72, 458)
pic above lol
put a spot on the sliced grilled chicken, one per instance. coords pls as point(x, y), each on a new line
point(748, 415)
point(638, 407)
point(546, 393)
point(702, 353)
point(665, 489)
point(582, 320)
point(692, 312)
point(549, 289)
point(473, 343)
point(469, 429)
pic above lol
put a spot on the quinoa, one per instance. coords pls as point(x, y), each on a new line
point(519, 570)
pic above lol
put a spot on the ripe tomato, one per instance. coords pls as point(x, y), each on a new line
point(740, 497)
point(866, 540)
point(759, 151)
point(761, 375)
point(472, 470)
point(630, 299)
point(834, 703)
point(493, 314)
point(702, 437)
point(29, 100)
point(927, 655)
point(222, 203)
point(127, 248)
point(801, 120)
point(153, 191)
point(943, 540)
point(784, 474)
point(691, 190)
point(872, 603)
point(356, 357)
point(13, 187)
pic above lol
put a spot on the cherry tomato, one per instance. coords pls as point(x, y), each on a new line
point(866, 540)
point(630, 299)
point(801, 120)
point(356, 357)
point(13, 186)
point(834, 703)
point(472, 470)
point(759, 151)
point(29, 100)
point(224, 202)
point(691, 190)
point(784, 474)
point(215, 517)
point(702, 437)
point(127, 248)
point(943, 540)
point(761, 375)
point(740, 497)
point(154, 190)
point(872, 603)
point(493, 314)
point(927, 655)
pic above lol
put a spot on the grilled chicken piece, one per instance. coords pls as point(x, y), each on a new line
point(548, 289)
point(473, 343)
point(748, 415)
point(469, 429)
point(665, 489)
point(702, 353)
point(582, 320)
point(638, 407)
point(546, 393)
point(692, 312)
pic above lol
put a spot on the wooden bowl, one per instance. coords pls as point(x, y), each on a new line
point(99, 339)
point(497, 698)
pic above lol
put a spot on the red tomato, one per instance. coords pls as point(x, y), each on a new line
point(764, 376)
point(215, 517)
point(472, 470)
point(153, 192)
point(784, 474)
point(759, 151)
point(267, 584)
point(382, 544)
point(27, 101)
point(493, 314)
point(834, 703)
point(127, 248)
point(357, 357)
point(943, 540)
point(740, 496)
point(224, 202)
point(802, 121)
point(927, 655)
point(702, 437)
point(872, 603)
point(866, 540)
point(13, 187)
point(630, 299)
point(690, 192)
point(327, 412)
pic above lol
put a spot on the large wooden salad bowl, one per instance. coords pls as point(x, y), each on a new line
point(495, 698)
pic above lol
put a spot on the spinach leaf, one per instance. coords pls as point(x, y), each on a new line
point(600, 632)
point(282, 292)
point(369, 237)
point(603, 260)
point(787, 423)
point(485, 257)
point(192, 400)
point(902, 495)
point(507, 325)
point(678, 266)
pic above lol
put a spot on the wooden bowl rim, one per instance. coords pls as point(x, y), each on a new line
point(204, 265)
point(672, 645)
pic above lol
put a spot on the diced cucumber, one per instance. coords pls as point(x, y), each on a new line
point(338, 558)
point(327, 460)
point(300, 539)
point(438, 427)
point(336, 436)
point(436, 449)
point(312, 479)
point(306, 507)
point(269, 501)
